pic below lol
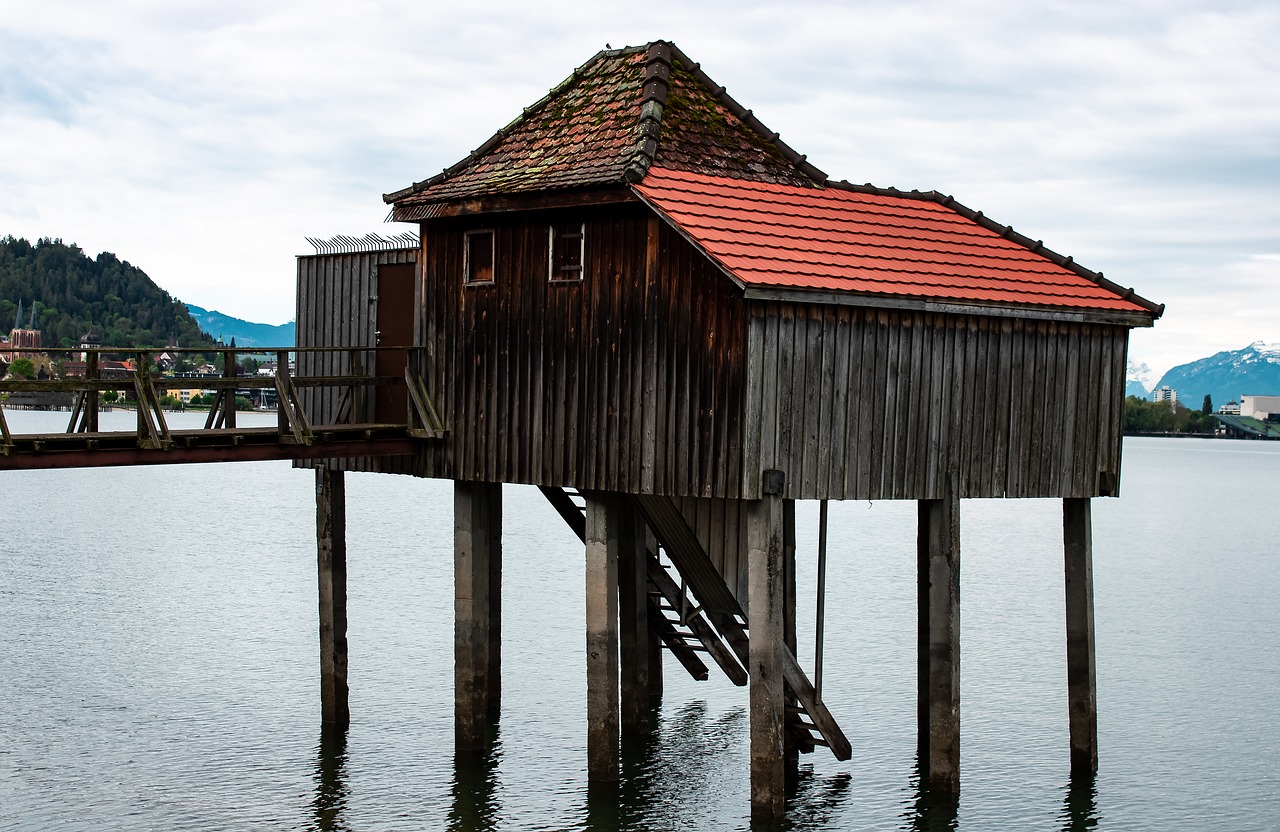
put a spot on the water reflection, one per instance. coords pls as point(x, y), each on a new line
point(330, 780)
point(1080, 806)
point(932, 811)
point(624, 805)
point(475, 805)
point(814, 801)
point(690, 758)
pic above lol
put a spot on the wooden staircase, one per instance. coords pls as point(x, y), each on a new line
point(683, 629)
point(698, 614)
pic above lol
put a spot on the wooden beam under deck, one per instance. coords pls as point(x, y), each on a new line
point(101, 450)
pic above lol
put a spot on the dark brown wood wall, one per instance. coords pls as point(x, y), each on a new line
point(653, 375)
point(628, 381)
point(337, 307)
point(860, 403)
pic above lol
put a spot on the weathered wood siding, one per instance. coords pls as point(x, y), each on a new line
point(338, 307)
point(721, 527)
point(630, 380)
point(653, 375)
point(859, 403)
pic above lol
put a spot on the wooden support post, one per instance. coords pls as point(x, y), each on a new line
point(766, 601)
point(477, 558)
point(230, 369)
point(654, 645)
point(602, 544)
point(91, 398)
point(789, 613)
point(938, 558)
point(633, 619)
point(1077, 536)
point(331, 557)
point(820, 617)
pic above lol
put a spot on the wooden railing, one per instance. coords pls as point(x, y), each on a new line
point(132, 375)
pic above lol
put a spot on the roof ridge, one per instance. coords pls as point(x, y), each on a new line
point(533, 109)
point(653, 101)
point(1006, 231)
point(748, 118)
point(661, 56)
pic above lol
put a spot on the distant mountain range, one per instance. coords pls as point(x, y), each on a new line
point(1253, 370)
point(244, 333)
point(1139, 380)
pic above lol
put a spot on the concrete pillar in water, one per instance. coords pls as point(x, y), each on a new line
point(603, 542)
point(477, 587)
point(766, 596)
point(331, 561)
point(633, 619)
point(938, 560)
point(1077, 536)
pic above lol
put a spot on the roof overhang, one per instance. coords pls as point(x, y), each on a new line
point(509, 203)
point(1046, 313)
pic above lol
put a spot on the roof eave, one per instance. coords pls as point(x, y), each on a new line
point(1066, 314)
point(540, 200)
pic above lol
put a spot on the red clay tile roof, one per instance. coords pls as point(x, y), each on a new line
point(606, 124)
point(872, 242)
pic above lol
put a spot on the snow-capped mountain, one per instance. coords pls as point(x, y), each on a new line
point(1253, 370)
point(1139, 380)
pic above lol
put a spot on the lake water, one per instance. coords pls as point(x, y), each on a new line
point(160, 665)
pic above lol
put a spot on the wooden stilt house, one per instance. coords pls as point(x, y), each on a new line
point(636, 293)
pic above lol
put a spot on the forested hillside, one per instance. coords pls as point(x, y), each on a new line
point(74, 294)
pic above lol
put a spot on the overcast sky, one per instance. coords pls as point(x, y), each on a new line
point(203, 141)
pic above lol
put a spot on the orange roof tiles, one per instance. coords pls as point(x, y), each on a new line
point(845, 240)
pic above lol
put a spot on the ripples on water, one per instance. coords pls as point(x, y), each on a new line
point(160, 665)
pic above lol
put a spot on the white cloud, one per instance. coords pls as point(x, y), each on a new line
point(203, 141)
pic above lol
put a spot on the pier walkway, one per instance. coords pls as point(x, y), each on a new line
point(379, 415)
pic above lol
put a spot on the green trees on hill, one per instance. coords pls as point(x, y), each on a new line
point(74, 294)
point(1142, 416)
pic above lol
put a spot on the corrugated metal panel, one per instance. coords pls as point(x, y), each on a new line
point(337, 307)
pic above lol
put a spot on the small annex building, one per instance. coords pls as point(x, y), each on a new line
point(638, 292)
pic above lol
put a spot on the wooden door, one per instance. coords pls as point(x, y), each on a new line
point(395, 329)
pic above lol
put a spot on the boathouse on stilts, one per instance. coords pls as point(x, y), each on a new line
point(638, 299)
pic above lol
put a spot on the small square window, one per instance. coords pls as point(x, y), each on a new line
point(568, 244)
point(478, 257)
